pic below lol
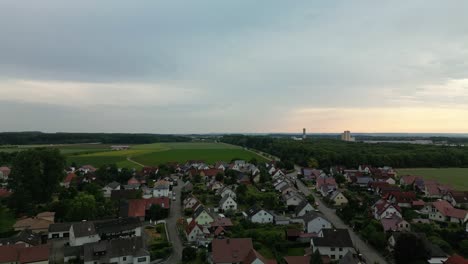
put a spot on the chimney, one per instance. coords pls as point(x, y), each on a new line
point(227, 241)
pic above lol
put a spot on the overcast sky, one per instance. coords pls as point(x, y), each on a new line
point(234, 66)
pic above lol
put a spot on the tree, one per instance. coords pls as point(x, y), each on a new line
point(82, 207)
point(189, 254)
point(241, 189)
point(316, 258)
point(464, 248)
point(312, 163)
point(219, 177)
point(156, 212)
point(409, 248)
point(339, 178)
point(253, 161)
point(35, 177)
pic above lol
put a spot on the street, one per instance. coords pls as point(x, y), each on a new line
point(369, 253)
point(175, 214)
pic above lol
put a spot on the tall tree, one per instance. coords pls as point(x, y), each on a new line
point(82, 207)
point(316, 258)
point(409, 248)
point(35, 177)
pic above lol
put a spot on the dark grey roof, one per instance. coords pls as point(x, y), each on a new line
point(108, 249)
point(349, 258)
point(198, 211)
point(123, 194)
point(117, 225)
point(301, 205)
point(333, 238)
point(311, 216)
point(253, 210)
point(26, 236)
point(59, 227)
point(223, 200)
point(113, 185)
point(83, 229)
point(73, 251)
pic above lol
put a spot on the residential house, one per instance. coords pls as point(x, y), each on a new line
point(227, 203)
point(277, 174)
point(364, 182)
point(39, 223)
point(188, 187)
point(113, 186)
point(335, 243)
point(190, 202)
point(4, 173)
point(402, 199)
point(121, 251)
point(202, 216)
point(408, 180)
point(122, 195)
point(243, 179)
point(215, 186)
point(443, 211)
point(456, 259)
point(313, 222)
point(458, 199)
point(365, 169)
point(395, 223)
point(338, 198)
point(297, 259)
point(280, 184)
point(59, 230)
point(292, 199)
point(383, 209)
point(83, 233)
point(210, 173)
point(226, 191)
point(221, 165)
point(140, 207)
point(161, 189)
point(68, 179)
point(147, 171)
point(236, 250)
point(281, 219)
point(311, 173)
point(223, 222)
point(20, 254)
point(437, 255)
point(194, 232)
point(330, 181)
point(87, 169)
point(327, 189)
point(303, 208)
point(258, 215)
point(25, 237)
point(351, 258)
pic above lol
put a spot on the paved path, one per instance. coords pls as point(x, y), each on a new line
point(371, 255)
point(139, 164)
point(175, 214)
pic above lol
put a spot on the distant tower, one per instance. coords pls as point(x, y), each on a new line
point(303, 133)
point(346, 136)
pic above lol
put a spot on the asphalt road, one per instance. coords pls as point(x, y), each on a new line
point(369, 253)
point(174, 215)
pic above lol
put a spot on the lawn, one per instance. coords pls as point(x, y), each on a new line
point(159, 153)
point(456, 177)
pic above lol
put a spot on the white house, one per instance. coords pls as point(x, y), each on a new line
point(110, 187)
point(338, 198)
point(313, 222)
point(119, 251)
point(161, 190)
point(227, 203)
point(303, 208)
point(226, 191)
point(292, 199)
point(83, 233)
point(334, 243)
point(194, 231)
point(258, 215)
point(383, 209)
point(443, 211)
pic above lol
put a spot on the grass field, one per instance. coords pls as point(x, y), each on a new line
point(456, 177)
point(158, 153)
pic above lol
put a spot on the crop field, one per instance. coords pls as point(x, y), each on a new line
point(158, 153)
point(456, 177)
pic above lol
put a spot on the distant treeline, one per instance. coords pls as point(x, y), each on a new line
point(30, 138)
point(329, 152)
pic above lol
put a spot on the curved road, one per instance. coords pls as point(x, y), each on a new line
point(371, 255)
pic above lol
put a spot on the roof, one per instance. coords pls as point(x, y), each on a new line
point(447, 209)
point(460, 196)
point(114, 248)
point(59, 227)
point(138, 207)
point(335, 194)
point(349, 258)
point(83, 229)
point(34, 254)
point(333, 238)
point(231, 250)
point(301, 206)
point(390, 224)
point(293, 232)
point(113, 185)
point(219, 230)
point(133, 180)
point(325, 181)
point(211, 172)
point(32, 223)
point(364, 180)
point(191, 226)
point(222, 221)
point(25, 236)
point(403, 197)
point(409, 179)
point(116, 225)
point(456, 259)
point(224, 199)
point(70, 176)
point(46, 214)
point(254, 210)
point(383, 205)
point(4, 193)
point(311, 216)
point(297, 259)
point(123, 194)
point(199, 210)
point(253, 255)
point(10, 253)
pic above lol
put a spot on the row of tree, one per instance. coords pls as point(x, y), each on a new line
point(328, 152)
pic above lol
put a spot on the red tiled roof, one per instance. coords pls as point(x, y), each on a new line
point(403, 197)
point(383, 205)
point(253, 255)
point(447, 209)
point(328, 181)
point(10, 253)
point(222, 221)
point(391, 224)
point(5, 170)
point(137, 207)
point(219, 230)
point(133, 180)
point(456, 259)
point(211, 172)
point(70, 177)
point(297, 259)
point(231, 250)
point(418, 203)
point(293, 232)
point(34, 254)
point(4, 193)
point(189, 228)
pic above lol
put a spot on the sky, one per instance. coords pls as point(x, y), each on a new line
point(234, 66)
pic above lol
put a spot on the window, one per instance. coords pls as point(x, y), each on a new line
point(341, 249)
point(143, 259)
point(124, 258)
point(66, 234)
point(332, 249)
point(55, 235)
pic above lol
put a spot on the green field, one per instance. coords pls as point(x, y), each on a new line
point(456, 177)
point(159, 153)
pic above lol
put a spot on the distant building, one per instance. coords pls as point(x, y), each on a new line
point(346, 136)
point(304, 133)
point(119, 147)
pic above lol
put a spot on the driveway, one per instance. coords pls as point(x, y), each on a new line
point(371, 255)
point(175, 214)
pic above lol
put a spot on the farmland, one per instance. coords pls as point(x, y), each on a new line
point(456, 177)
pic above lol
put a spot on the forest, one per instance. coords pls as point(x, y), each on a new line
point(32, 138)
point(330, 152)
